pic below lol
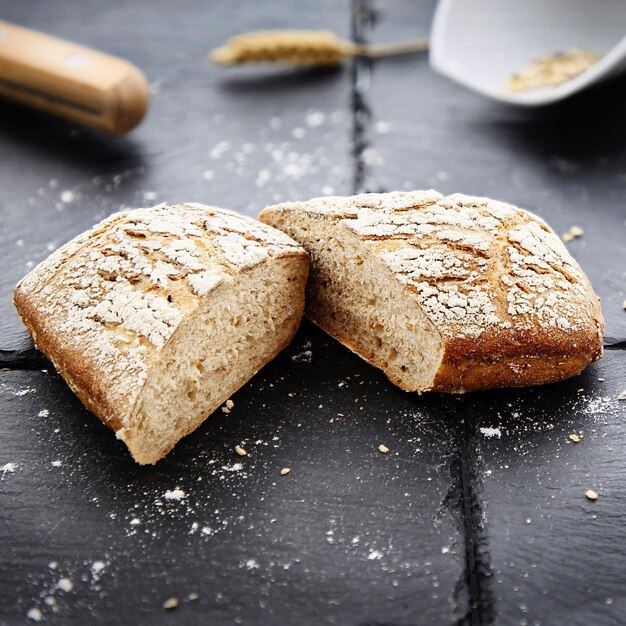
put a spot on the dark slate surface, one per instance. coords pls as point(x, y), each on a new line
point(441, 520)
point(557, 558)
point(538, 551)
point(241, 139)
point(359, 537)
point(350, 536)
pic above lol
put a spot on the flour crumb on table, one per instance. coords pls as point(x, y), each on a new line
point(573, 233)
point(315, 118)
point(383, 448)
point(382, 128)
point(175, 494)
point(305, 355)
point(35, 614)
point(8, 468)
point(491, 432)
point(67, 196)
point(228, 405)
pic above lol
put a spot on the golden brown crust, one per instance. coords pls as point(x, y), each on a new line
point(80, 375)
point(519, 359)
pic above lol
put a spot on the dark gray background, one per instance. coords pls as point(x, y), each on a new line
point(476, 516)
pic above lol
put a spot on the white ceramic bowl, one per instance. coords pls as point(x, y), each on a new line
point(481, 43)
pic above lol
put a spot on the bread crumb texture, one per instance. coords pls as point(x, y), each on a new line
point(104, 305)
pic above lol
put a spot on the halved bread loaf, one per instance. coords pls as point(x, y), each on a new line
point(452, 293)
point(156, 316)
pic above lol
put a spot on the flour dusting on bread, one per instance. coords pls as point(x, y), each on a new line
point(114, 297)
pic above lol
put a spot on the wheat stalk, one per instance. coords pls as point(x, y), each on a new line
point(303, 47)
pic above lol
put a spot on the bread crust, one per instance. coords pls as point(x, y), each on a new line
point(511, 305)
point(103, 307)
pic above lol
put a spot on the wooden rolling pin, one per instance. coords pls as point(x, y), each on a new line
point(71, 81)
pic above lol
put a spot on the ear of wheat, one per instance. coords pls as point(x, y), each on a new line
point(303, 47)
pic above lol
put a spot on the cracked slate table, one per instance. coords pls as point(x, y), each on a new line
point(476, 516)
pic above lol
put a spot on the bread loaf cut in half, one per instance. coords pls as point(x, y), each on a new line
point(156, 316)
point(453, 293)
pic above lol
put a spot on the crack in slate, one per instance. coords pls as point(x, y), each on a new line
point(362, 19)
point(462, 497)
point(29, 359)
point(481, 609)
point(610, 343)
point(473, 593)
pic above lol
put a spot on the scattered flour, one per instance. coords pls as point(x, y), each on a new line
point(67, 196)
point(65, 584)
point(382, 128)
point(175, 494)
point(8, 467)
point(315, 119)
point(491, 432)
point(23, 392)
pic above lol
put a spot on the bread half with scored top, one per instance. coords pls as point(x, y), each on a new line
point(155, 316)
point(454, 293)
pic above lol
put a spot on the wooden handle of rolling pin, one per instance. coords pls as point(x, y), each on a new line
point(74, 82)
